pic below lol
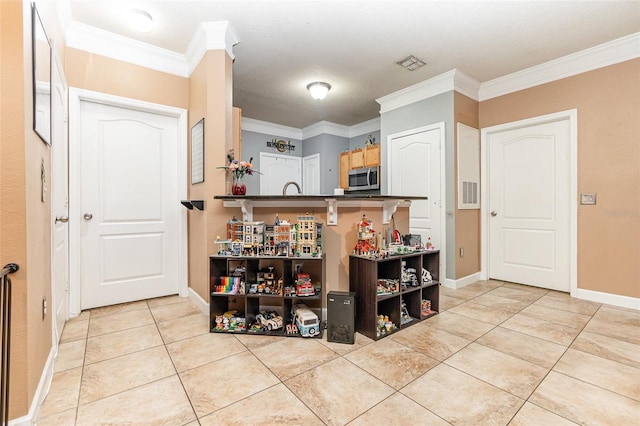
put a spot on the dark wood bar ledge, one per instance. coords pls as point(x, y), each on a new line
point(388, 203)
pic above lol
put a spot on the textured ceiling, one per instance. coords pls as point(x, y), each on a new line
point(354, 45)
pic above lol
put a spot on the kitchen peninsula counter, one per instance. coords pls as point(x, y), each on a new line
point(388, 203)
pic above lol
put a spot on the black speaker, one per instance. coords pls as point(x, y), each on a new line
point(341, 317)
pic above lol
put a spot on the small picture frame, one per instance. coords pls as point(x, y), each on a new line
point(197, 152)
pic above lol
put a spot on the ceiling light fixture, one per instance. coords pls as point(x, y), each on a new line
point(318, 90)
point(141, 20)
point(411, 63)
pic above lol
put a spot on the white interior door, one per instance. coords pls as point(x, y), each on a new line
point(129, 204)
point(59, 199)
point(415, 171)
point(529, 205)
point(311, 174)
point(276, 171)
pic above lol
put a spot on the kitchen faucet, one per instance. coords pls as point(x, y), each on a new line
point(286, 185)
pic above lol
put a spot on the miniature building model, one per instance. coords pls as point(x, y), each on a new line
point(366, 237)
point(253, 236)
point(306, 238)
point(281, 239)
point(235, 229)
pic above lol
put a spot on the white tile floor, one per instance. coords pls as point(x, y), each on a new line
point(497, 354)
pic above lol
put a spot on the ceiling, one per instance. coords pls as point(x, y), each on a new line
point(354, 45)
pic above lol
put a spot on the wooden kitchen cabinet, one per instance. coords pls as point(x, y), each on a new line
point(344, 170)
point(356, 158)
point(372, 155)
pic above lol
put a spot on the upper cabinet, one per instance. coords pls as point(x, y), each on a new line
point(372, 155)
point(344, 170)
point(356, 158)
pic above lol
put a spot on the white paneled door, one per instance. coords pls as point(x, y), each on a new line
point(129, 204)
point(529, 205)
point(415, 171)
point(276, 170)
point(59, 199)
point(311, 174)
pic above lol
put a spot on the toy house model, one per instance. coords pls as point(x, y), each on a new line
point(253, 237)
point(306, 235)
point(282, 237)
point(366, 237)
point(235, 229)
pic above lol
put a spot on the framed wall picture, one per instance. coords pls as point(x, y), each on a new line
point(41, 56)
point(197, 152)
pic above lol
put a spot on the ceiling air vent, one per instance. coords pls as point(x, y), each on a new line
point(411, 63)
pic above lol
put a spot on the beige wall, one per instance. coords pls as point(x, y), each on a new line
point(210, 92)
point(25, 233)
point(89, 71)
point(608, 105)
point(467, 221)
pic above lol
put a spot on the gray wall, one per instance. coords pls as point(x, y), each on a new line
point(329, 147)
point(437, 109)
point(359, 141)
point(253, 144)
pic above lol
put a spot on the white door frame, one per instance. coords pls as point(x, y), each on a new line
point(572, 116)
point(56, 184)
point(76, 96)
point(443, 187)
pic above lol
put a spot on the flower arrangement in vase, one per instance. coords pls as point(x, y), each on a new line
point(239, 169)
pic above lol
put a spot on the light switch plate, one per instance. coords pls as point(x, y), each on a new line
point(588, 198)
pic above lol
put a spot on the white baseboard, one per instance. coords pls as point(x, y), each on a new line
point(40, 395)
point(461, 282)
point(608, 298)
point(199, 301)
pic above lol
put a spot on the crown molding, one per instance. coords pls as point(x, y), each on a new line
point(319, 128)
point(364, 127)
point(90, 39)
point(613, 52)
point(266, 128)
point(325, 128)
point(208, 36)
point(211, 36)
point(446, 82)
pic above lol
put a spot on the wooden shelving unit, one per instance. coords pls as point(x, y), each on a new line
point(249, 305)
point(364, 274)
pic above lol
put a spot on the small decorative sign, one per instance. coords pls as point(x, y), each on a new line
point(281, 145)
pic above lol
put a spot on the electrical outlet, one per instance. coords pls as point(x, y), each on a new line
point(44, 307)
point(461, 252)
point(588, 198)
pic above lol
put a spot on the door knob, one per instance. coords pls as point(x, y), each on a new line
point(87, 216)
point(494, 213)
point(63, 219)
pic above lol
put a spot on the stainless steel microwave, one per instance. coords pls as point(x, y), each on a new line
point(364, 179)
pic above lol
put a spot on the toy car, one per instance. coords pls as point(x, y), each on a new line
point(305, 289)
point(305, 320)
point(269, 320)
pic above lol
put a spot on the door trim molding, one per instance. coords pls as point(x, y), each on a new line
point(443, 184)
point(76, 97)
point(572, 116)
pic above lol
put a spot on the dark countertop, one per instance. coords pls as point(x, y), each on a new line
point(349, 196)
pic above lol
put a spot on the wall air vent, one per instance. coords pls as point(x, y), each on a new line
point(411, 63)
point(468, 167)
